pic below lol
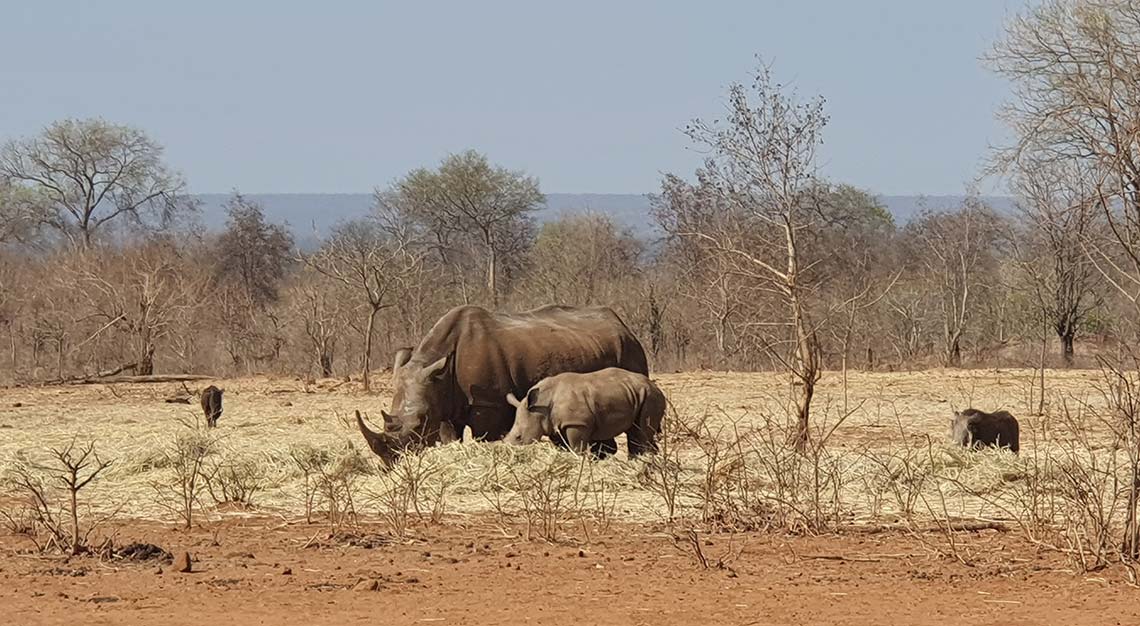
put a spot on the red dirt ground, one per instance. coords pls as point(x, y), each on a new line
point(474, 574)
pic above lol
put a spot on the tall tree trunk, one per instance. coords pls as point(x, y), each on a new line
point(325, 361)
point(368, 349)
point(1044, 348)
point(13, 347)
point(806, 373)
point(492, 270)
point(805, 366)
point(954, 350)
point(145, 365)
point(59, 355)
point(1067, 338)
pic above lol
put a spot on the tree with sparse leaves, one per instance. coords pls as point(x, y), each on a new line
point(472, 209)
point(89, 174)
point(757, 201)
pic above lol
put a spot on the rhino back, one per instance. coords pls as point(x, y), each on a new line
point(608, 400)
point(500, 353)
point(980, 428)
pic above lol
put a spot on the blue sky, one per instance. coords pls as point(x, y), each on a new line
point(588, 96)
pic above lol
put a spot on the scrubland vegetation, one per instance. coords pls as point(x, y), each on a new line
point(828, 312)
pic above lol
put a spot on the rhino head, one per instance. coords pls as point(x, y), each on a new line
point(960, 428)
point(532, 420)
point(421, 400)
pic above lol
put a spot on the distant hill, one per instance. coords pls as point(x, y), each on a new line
point(310, 215)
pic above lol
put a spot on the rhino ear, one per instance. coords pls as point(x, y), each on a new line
point(387, 418)
point(403, 355)
point(435, 370)
point(532, 397)
point(513, 401)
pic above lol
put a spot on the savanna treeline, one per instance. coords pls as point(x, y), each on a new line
point(759, 261)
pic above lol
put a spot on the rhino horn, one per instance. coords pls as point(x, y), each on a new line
point(381, 444)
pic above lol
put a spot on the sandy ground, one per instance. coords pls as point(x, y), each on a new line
point(258, 571)
point(265, 419)
point(267, 565)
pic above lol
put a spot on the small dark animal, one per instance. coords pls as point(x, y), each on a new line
point(973, 428)
point(212, 405)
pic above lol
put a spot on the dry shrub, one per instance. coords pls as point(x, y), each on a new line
point(548, 489)
point(331, 479)
point(237, 479)
point(662, 472)
point(737, 473)
point(546, 495)
point(49, 510)
point(185, 460)
point(898, 474)
point(412, 486)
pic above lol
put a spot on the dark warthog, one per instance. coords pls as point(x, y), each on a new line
point(973, 428)
point(582, 408)
point(212, 405)
point(460, 374)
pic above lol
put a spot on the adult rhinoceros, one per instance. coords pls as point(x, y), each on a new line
point(462, 371)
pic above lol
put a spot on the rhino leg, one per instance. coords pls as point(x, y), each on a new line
point(557, 440)
point(640, 440)
point(491, 423)
point(449, 432)
point(577, 439)
point(603, 449)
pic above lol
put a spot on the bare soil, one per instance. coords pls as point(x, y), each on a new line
point(262, 571)
point(264, 566)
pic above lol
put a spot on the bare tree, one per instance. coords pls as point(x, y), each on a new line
point(139, 293)
point(472, 207)
point(1059, 217)
point(955, 251)
point(88, 173)
point(371, 261)
point(319, 305)
point(1076, 103)
point(705, 274)
point(761, 177)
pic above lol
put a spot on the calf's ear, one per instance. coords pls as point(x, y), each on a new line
point(513, 401)
point(532, 397)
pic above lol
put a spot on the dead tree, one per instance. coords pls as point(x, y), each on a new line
point(371, 262)
point(758, 195)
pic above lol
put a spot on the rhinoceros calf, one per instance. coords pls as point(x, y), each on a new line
point(212, 405)
point(585, 408)
point(974, 428)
